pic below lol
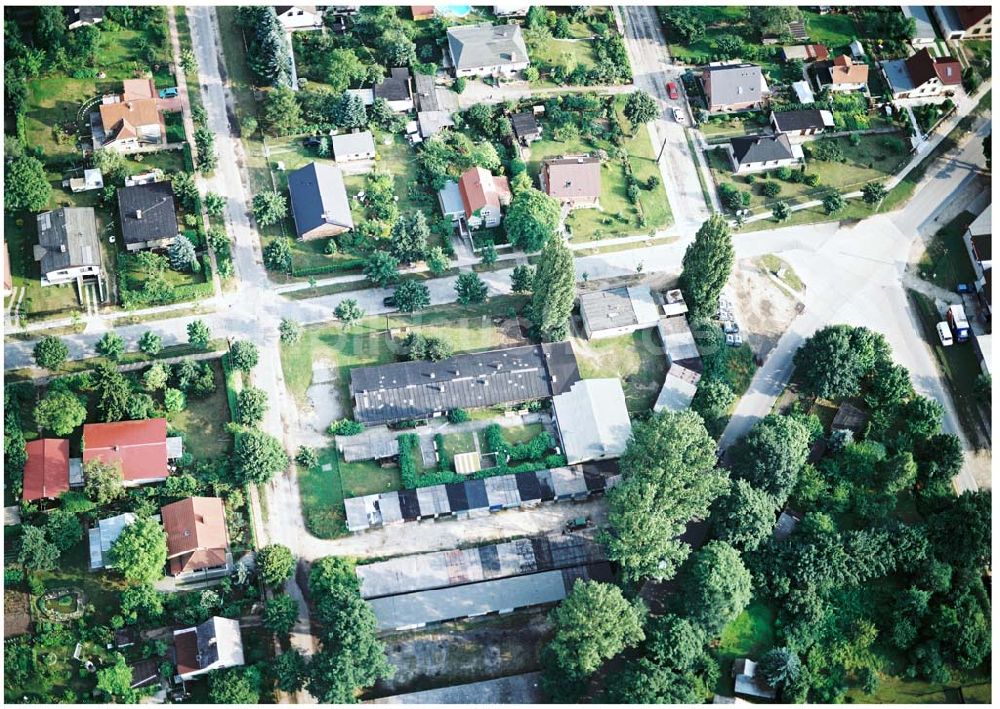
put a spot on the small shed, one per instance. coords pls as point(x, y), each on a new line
point(468, 463)
point(849, 418)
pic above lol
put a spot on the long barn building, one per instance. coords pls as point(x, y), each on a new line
point(475, 497)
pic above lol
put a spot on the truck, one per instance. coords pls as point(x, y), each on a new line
point(958, 322)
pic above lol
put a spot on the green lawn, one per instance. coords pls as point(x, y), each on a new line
point(773, 264)
point(946, 261)
point(959, 365)
point(718, 20)
point(872, 159)
point(175, 126)
point(750, 635)
point(461, 442)
point(323, 491)
point(834, 30)
point(203, 421)
point(467, 328)
point(975, 689)
point(637, 359)
point(730, 126)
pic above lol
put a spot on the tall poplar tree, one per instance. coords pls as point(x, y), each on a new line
point(707, 264)
point(554, 289)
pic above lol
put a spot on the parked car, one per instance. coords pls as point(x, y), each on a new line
point(311, 142)
point(734, 339)
point(577, 523)
point(672, 91)
point(964, 288)
point(389, 301)
point(679, 115)
point(730, 327)
point(944, 334)
point(172, 92)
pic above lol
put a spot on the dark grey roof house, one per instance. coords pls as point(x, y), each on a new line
point(320, 206)
point(395, 89)
point(526, 128)
point(147, 216)
point(403, 391)
point(808, 122)
point(764, 152)
point(68, 247)
point(487, 50)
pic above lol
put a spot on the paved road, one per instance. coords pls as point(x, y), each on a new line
point(652, 69)
point(854, 274)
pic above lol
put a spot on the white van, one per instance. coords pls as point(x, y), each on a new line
point(944, 333)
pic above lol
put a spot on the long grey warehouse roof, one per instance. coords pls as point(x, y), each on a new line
point(413, 610)
point(515, 689)
point(421, 572)
point(401, 391)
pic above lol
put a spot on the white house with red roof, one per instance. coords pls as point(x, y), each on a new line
point(477, 198)
point(922, 76)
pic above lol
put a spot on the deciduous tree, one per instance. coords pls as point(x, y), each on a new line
point(348, 311)
point(198, 334)
point(50, 352)
point(770, 456)
point(258, 457)
point(744, 517)
point(640, 108)
point(382, 268)
point(670, 479)
point(251, 405)
point(103, 482)
point(532, 219)
point(412, 295)
point(470, 288)
point(60, 413)
point(275, 563)
point(26, 189)
point(113, 392)
point(269, 208)
point(718, 587)
point(140, 552)
point(111, 345)
point(243, 355)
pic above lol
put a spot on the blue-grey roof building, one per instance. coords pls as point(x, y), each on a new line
point(320, 206)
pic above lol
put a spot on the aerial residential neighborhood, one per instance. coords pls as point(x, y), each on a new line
point(509, 354)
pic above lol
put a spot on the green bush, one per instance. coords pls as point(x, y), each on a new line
point(345, 427)
point(458, 416)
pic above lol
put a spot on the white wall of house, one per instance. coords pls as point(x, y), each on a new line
point(504, 69)
point(69, 275)
point(297, 18)
point(761, 166)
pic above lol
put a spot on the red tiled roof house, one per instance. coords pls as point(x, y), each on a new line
point(922, 75)
point(138, 448)
point(46, 472)
point(196, 535)
point(483, 194)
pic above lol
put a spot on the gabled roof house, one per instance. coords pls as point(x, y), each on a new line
point(483, 196)
point(843, 74)
point(922, 75)
point(213, 645)
point(128, 120)
point(46, 472)
point(68, 247)
point(320, 206)
point(138, 448)
point(396, 90)
point(197, 539)
point(487, 50)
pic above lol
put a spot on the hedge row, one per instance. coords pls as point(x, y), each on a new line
point(345, 265)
